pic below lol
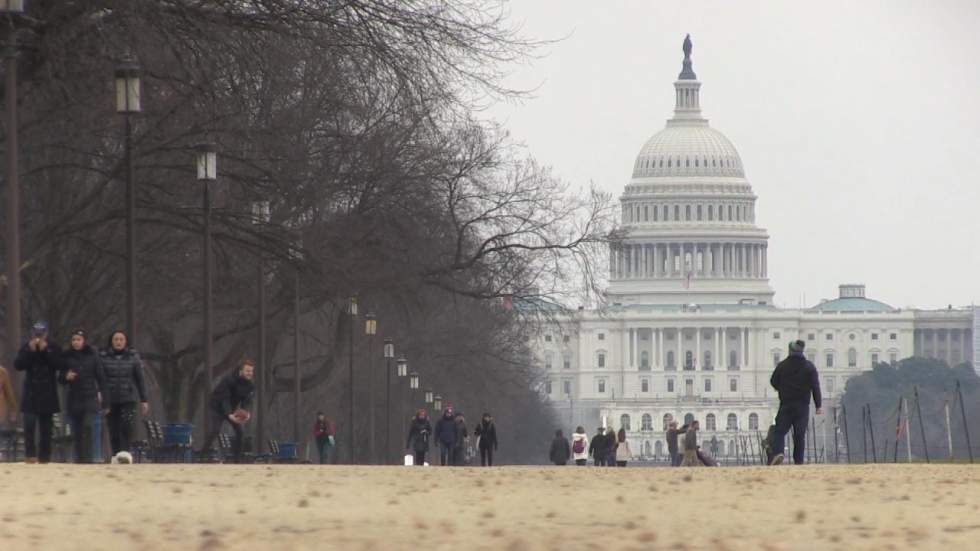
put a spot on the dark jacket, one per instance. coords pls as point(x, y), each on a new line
point(124, 373)
point(672, 435)
point(419, 434)
point(461, 432)
point(89, 381)
point(40, 393)
point(487, 432)
point(446, 432)
point(560, 451)
point(796, 378)
point(598, 446)
point(232, 392)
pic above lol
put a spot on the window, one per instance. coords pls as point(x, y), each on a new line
point(851, 336)
point(753, 421)
point(646, 422)
point(688, 418)
point(893, 336)
point(687, 212)
point(893, 357)
point(874, 359)
point(707, 385)
point(709, 422)
point(776, 335)
point(644, 360)
point(689, 387)
point(667, 418)
point(601, 359)
point(670, 385)
point(547, 338)
point(601, 383)
point(547, 387)
point(828, 383)
point(677, 212)
point(707, 361)
point(659, 447)
point(732, 422)
point(548, 360)
point(566, 338)
point(874, 336)
point(566, 387)
point(711, 212)
point(830, 359)
point(830, 336)
point(729, 213)
point(602, 336)
point(733, 384)
point(775, 359)
point(699, 212)
point(624, 422)
point(645, 385)
point(670, 360)
point(688, 360)
point(732, 359)
point(566, 361)
point(852, 357)
point(810, 336)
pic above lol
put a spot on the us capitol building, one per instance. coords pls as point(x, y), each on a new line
point(691, 331)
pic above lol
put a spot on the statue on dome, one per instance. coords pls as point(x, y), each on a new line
point(687, 47)
point(687, 73)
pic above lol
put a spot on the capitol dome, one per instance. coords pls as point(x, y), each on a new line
point(689, 149)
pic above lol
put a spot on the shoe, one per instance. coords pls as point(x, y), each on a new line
point(30, 460)
point(776, 459)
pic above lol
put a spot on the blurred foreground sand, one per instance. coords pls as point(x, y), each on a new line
point(212, 507)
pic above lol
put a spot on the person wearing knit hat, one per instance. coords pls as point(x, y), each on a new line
point(40, 360)
point(795, 379)
point(85, 378)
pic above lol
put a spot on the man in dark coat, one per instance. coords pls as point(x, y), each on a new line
point(486, 431)
point(672, 448)
point(86, 382)
point(41, 362)
point(599, 447)
point(229, 400)
point(418, 437)
point(796, 379)
point(446, 436)
point(560, 450)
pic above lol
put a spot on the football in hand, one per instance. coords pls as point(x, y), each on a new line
point(241, 415)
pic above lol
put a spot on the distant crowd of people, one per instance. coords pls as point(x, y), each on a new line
point(451, 437)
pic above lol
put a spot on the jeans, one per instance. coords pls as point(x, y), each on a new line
point(81, 431)
point(795, 415)
point(675, 458)
point(486, 457)
point(217, 419)
point(122, 426)
point(43, 422)
point(323, 448)
point(419, 458)
point(97, 438)
point(445, 455)
point(599, 460)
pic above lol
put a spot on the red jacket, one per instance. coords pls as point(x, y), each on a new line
point(323, 429)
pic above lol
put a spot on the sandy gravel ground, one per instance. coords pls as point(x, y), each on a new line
point(212, 507)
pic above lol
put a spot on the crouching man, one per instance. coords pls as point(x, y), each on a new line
point(229, 400)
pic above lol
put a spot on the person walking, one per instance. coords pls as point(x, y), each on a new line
point(323, 434)
point(598, 448)
point(580, 447)
point(127, 391)
point(418, 437)
point(611, 444)
point(691, 446)
point(795, 379)
point(229, 402)
point(560, 450)
point(486, 440)
point(446, 437)
point(40, 360)
point(623, 452)
point(8, 413)
point(672, 448)
point(86, 382)
point(462, 439)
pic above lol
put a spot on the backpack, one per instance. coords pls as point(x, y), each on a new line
point(579, 446)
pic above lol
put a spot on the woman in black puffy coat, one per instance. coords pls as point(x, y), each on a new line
point(127, 388)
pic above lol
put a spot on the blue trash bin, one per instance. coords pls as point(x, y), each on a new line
point(287, 451)
point(177, 434)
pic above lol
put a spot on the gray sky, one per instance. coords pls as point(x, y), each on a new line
point(858, 124)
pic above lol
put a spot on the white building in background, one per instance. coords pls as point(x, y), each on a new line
point(691, 331)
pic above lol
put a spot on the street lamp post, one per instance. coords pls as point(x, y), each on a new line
point(12, 9)
point(370, 330)
point(207, 172)
point(437, 403)
point(352, 310)
point(429, 397)
point(260, 215)
point(128, 96)
point(389, 353)
point(401, 369)
point(297, 375)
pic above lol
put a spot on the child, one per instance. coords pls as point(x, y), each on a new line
point(691, 446)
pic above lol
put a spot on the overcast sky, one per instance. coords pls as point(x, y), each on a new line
point(858, 124)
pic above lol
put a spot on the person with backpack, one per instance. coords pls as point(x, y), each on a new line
point(86, 382)
point(598, 448)
point(419, 433)
point(560, 450)
point(580, 447)
point(623, 452)
point(795, 379)
point(486, 435)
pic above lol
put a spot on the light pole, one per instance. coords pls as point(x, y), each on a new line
point(429, 398)
point(207, 172)
point(128, 96)
point(437, 403)
point(402, 371)
point(370, 330)
point(260, 215)
point(297, 376)
point(352, 310)
point(389, 353)
point(12, 9)
point(413, 385)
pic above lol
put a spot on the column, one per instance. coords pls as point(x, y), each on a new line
point(724, 347)
point(660, 348)
point(678, 356)
point(719, 358)
point(949, 347)
point(656, 260)
point(745, 346)
point(765, 260)
point(750, 359)
point(625, 348)
point(697, 348)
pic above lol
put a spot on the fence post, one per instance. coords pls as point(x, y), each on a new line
point(864, 432)
point(908, 429)
point(922, 426)
point(871, 429)
point(949, 432)
point(966, 429)
point(898, 429)
point(836, 443)
point(847, 439)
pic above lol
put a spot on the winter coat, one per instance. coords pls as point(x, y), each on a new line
point(487, 433)
point(623, 452)
point(446, 432)
point(41, 382)
point(560, 451)
point(611, 447)
point(323, 429)
point(419, 434)
point(89, 381)
point(598, 448)
point(232, 392)
point(584, 454)
point(461, 432)
point(124, 373)
point(672, 435)
point(796, 378)
point(8, 398)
